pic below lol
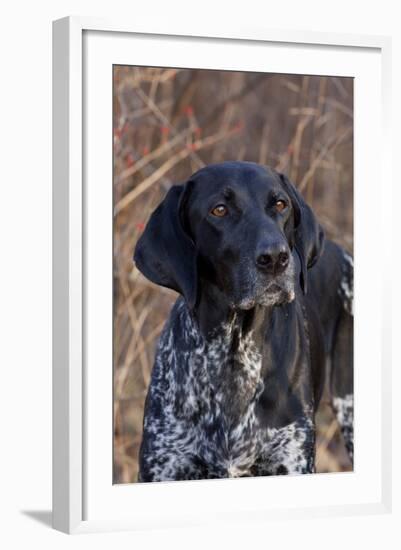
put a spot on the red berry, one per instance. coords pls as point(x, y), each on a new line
point(129, 160)
point(238, 127)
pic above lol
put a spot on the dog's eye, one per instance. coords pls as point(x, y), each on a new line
point(220, 210)
point(280, 205)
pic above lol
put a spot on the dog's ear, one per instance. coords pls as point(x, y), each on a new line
point(165, 253)
point(307, 235)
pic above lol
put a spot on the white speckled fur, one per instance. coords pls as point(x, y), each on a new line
point(346, 289)
point(203, 420)
point(344, 409)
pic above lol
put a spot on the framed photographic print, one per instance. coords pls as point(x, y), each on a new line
point(213, 281)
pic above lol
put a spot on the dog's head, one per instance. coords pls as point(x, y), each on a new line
point(234, 225)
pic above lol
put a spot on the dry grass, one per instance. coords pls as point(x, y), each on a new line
point(167, 124)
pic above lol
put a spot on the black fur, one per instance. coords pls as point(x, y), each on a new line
point(265, 319)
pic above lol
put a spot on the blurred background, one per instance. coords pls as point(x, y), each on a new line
point(168, 123)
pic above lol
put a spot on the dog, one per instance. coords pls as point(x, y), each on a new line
point(263, 325)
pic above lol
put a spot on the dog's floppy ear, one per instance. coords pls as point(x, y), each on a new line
point(308, 235)
point(165, 253)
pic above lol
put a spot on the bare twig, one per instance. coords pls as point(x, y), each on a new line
point(162, 149)
point(164, 168)
point(165, 120)
point(331, 145)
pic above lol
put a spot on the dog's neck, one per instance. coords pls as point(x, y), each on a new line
point(226, 358)
point(215, 317)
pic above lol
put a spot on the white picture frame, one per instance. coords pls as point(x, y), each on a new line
point(80, 483)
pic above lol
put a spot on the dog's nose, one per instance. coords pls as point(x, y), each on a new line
point(273, 259)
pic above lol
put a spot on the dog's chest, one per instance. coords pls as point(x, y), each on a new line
point(216, 385)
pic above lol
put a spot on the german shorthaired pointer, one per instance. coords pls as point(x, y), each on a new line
point(263, 323)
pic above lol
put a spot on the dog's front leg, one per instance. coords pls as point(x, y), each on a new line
point(169, 452)
point(169, 466)
point(288, 450)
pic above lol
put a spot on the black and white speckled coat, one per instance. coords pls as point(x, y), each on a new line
point(244, 356)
